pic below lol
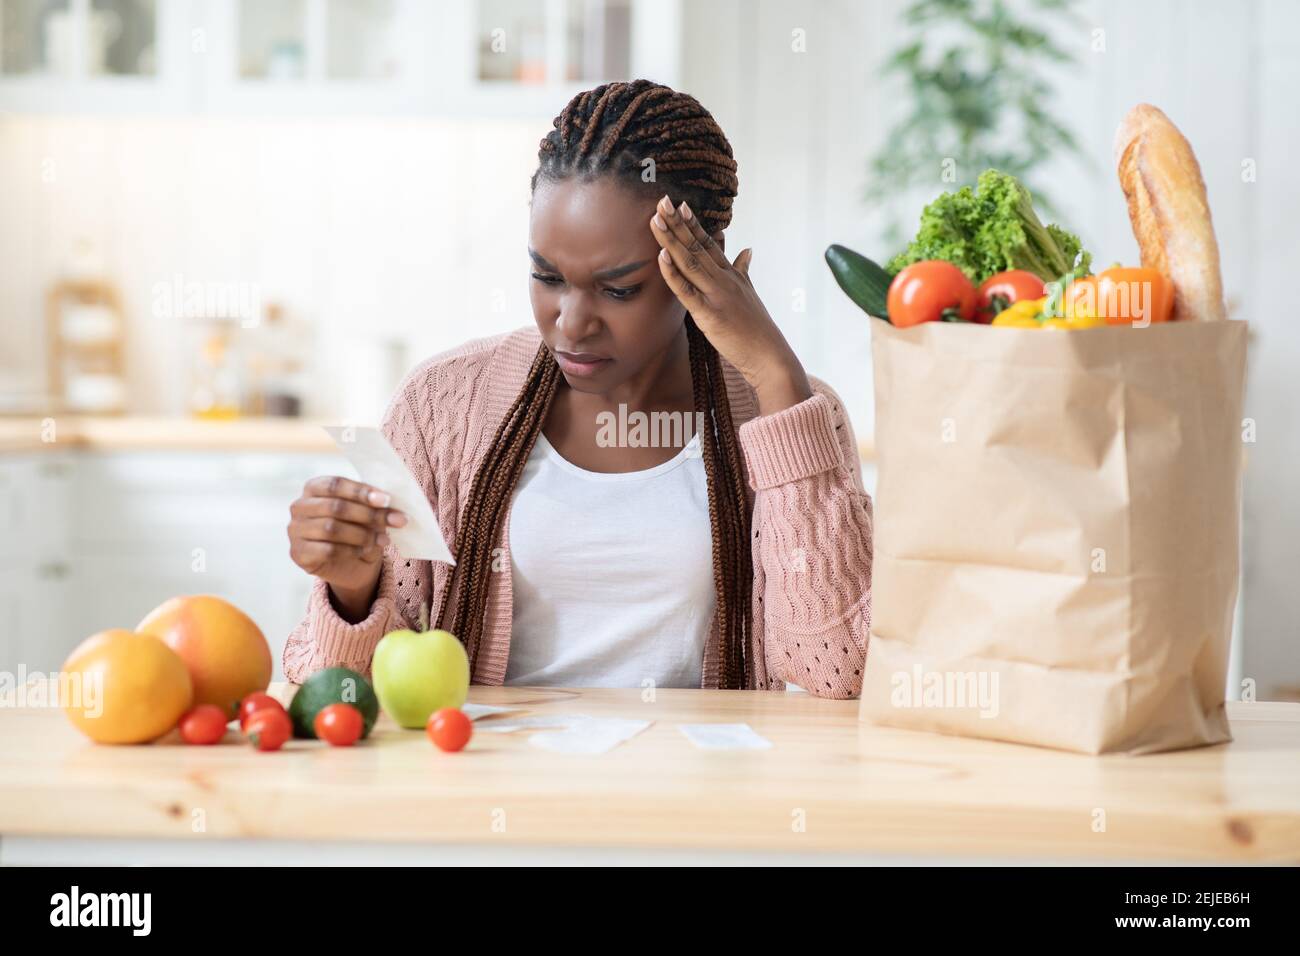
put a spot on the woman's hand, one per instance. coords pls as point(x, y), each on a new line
point(337, 532)
point(722, 300)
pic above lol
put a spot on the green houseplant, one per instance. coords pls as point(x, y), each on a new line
point(978, 97)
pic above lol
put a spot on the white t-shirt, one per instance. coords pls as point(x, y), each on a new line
point(612, 573)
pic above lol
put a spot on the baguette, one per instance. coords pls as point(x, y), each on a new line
point(1167, 206)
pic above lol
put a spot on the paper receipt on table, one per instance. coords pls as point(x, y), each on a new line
point(724, 736)
point(380, 466)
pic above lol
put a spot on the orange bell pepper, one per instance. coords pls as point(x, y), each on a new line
point(1121, 296)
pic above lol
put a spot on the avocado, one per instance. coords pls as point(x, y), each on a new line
point(333, 685)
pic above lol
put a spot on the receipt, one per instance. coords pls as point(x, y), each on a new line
point(570, 733)
point(591, 736)
point(724, 736)
point(475, 711)
point(381, 467)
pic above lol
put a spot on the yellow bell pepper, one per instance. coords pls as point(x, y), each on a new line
point(1075, 315)
point(1029, 314)
point(1021, 315)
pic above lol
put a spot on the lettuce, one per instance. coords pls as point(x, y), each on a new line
point(991, 229)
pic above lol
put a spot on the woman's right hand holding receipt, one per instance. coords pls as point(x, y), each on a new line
point(337, 531)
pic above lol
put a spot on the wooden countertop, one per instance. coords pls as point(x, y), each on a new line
point(131, 433)
point(856, 787)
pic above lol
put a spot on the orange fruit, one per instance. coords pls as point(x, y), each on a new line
point(226, 653)
point(125, 688)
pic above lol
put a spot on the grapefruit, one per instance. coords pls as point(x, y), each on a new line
point(125, 688)
point(226, 653)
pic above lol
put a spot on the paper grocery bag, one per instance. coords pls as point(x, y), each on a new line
point(1056, 532)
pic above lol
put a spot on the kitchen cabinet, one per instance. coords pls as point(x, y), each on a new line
point(35, 494)
point(60, 56)
point(34, 605)
point(318, 56)
point(91, 540)
point(306, 57)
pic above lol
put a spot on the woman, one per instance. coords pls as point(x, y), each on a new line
point(735, 555)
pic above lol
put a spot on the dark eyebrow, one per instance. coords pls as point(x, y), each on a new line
point(614, 273)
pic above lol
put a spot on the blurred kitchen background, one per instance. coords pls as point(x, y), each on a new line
point(223, 222)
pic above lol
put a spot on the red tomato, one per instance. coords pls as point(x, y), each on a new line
point(255, 702)
point(925, 291)
point(339, 725)
point(205, 724)
point(1010, 287)
point(449, 729)
point(268, 728)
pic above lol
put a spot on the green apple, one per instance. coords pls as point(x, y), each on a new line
point(418, 672)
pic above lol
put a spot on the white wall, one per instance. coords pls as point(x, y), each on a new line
point(804, 126)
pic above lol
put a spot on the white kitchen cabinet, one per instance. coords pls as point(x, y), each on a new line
point(35, 491)
point(190, 499)
point(94, 56)
point(318, 56)
point(529, 57)
point(36, 603)
point(520, 58)
point(92, 540)
point(500, 58)
point(15, 583)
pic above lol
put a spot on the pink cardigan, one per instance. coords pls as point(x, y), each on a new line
point(812, 525)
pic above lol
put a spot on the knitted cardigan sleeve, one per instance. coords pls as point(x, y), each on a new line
point(323, 638)
point(812, 544)
point(429, 423)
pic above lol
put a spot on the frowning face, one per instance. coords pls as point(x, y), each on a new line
point(598, 296)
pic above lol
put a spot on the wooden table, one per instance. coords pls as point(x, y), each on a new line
point(832, 789)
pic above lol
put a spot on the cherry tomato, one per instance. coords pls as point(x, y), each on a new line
point(205, 724)
point(255, 702)
point(339, 725)
point(1006, 288)
point(928, 292)
point(268, 728)
point(449, 729)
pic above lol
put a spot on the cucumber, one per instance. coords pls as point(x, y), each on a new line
point(866, 283)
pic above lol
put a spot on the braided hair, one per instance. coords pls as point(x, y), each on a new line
point(621, 129)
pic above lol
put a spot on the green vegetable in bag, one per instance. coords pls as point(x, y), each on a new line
point(991, 229)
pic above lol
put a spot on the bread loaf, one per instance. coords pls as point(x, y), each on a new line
point(1168, 208)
